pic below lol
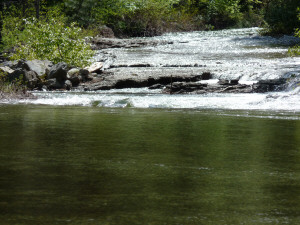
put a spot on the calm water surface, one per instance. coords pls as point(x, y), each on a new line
point(93, 165)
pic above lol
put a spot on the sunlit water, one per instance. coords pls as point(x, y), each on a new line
point(228, 54)
point(139, 157)
point(288, 101)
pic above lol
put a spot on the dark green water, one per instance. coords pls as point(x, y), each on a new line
point(85, 165)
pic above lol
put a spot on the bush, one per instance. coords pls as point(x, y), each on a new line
point(296, 49)
point(224, 13)
point(11, 87)
point(281, 16)
point(47, 38)
point(135, 17)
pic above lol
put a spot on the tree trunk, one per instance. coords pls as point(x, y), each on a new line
point(24, 7)
point(37, 8)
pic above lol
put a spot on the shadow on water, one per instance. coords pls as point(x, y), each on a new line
point(79, 165)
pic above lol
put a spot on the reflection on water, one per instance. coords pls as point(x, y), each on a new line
point(85, 165)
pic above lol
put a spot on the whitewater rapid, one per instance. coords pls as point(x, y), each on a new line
point(229, 54)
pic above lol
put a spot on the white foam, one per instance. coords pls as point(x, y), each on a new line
point(277, 101)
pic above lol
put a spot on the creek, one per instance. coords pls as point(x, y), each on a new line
point(239, 54)
point(137, 156)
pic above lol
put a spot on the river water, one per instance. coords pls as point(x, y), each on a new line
point(227, 54)
point(136, 156)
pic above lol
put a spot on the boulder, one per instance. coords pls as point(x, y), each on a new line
point(106, 32)
point(84, 73)
point(75, 80)
point(95, 67)
point(68, 85)
point(31, 79)
point(59, 72)
point(75, 77)
point(53, 83)
point(38, 66)
point(73, 73)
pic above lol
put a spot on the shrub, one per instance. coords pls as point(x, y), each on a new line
point(47, 38)
point(135, 17)
point(11, 87)
point(224, 13)
point(281, 16)
point(296, 49)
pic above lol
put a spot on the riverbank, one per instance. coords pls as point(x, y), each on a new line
point(44, 75)
point(228, 61)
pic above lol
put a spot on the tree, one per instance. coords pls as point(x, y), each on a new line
point(281, 16)
point(81, 10)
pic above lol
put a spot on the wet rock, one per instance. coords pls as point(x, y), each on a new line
point(103, 43)
point(228, 82)
point(68, 85)
point(59, 71)
point(183, 87)
point(269, 85)
point(38, 66)
point(130, 83)
point(206, 76)
point(239, 88)
point(156, 86)
point(53, 83)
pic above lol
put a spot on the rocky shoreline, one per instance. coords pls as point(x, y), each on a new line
point(105, 75)
point(44, 75)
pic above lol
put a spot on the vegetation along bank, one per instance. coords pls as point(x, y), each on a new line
point(61, 31)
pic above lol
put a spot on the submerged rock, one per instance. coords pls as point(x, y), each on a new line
point(103, 43)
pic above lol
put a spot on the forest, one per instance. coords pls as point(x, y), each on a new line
point(48, 26)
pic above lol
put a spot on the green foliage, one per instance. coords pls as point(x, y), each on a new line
point(152, 17)
point(80, 11)
point(296, 49)
point(11, 87)
point(224, 13)
point(281, 16)
point(47, 38)
point(135, 17)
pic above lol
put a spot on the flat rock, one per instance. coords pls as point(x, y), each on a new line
point(103, 43)
point(95, 67)
point(6, 69)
